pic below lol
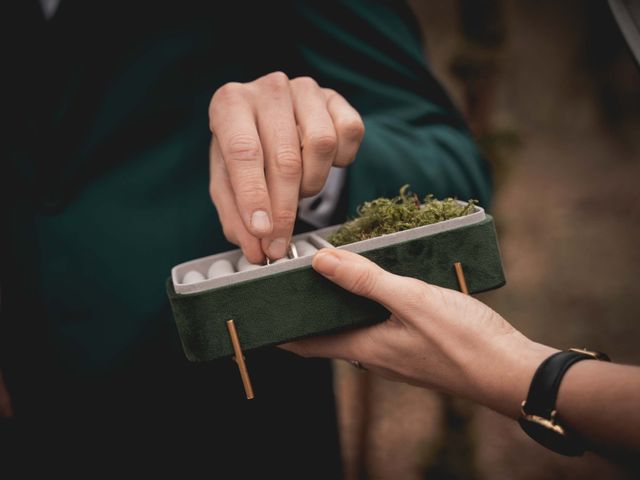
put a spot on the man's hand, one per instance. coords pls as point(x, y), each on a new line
point(274, 142)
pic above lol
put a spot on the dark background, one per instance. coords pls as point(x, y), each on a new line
point(553, 97)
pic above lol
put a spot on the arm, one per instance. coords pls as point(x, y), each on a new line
point(371, 53)
point(441, 339)
point(600, 402)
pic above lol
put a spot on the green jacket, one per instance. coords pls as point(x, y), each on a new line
point(105, 179)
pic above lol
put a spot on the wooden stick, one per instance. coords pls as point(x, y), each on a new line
point(461, 280)
point(239, 358)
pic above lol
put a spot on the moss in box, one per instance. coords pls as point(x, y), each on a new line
point(390, 215)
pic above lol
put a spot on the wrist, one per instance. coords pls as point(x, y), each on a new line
point(501, 382)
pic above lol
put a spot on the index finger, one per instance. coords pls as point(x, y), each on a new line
point(232, 121)
point(283, 160)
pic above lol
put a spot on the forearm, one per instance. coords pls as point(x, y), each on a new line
point(598, 401)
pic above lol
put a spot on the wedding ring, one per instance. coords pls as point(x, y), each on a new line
point(292, 252)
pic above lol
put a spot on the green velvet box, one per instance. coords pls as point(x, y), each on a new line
point(288, 300)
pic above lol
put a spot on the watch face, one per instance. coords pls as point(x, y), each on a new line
point(547, 437)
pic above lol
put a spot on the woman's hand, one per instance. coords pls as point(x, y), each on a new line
point(435, 337)
point(259, 168)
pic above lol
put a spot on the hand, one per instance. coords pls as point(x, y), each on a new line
point(435, 337)
point(274, 141)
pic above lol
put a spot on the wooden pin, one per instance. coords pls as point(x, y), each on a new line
point(239, 358)
point(461, 280)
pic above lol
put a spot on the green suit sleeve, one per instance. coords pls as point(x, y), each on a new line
point(371, 52)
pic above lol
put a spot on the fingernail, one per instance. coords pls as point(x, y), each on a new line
point(260, 221)
point(326, 263)
point(277, 248)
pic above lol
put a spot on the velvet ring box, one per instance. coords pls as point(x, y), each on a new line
point(288, 300)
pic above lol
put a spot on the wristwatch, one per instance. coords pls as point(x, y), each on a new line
point(538, 412)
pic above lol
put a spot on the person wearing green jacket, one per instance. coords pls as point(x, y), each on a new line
point(106, 185)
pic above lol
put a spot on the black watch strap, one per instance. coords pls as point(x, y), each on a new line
point(539, 410)
point(543, 391)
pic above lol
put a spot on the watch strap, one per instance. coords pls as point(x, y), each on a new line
point(539, 413)
point(543, 392)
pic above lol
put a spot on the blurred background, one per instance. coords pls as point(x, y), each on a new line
point(553, 97)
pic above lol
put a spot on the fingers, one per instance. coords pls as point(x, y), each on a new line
point(343, 345)
point(349, 127)
point(225, 203)
point(283, 159)
point(317, 134)
point(276, 140)
point(363, 277)
point(369, 345)
point(232, 121)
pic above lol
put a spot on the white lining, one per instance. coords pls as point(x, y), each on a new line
point(316, 238)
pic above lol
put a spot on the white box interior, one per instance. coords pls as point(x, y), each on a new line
point(316, 238)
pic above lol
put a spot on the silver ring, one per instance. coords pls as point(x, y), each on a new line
point(358, 365)
point(292, 252)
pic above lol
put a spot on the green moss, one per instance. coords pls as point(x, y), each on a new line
point(389, 215)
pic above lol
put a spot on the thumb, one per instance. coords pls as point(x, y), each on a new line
point(363, 277)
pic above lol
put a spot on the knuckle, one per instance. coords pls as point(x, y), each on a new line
point(363, 282)
point(305, 81)
point(288, 162)
point(243, 147)
point(352, 128)
point(276, 80)
point(224, 98)
point(227, 91)
point(251, 191)
point(329, 92)
point(284, 217)
point(324, 143)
